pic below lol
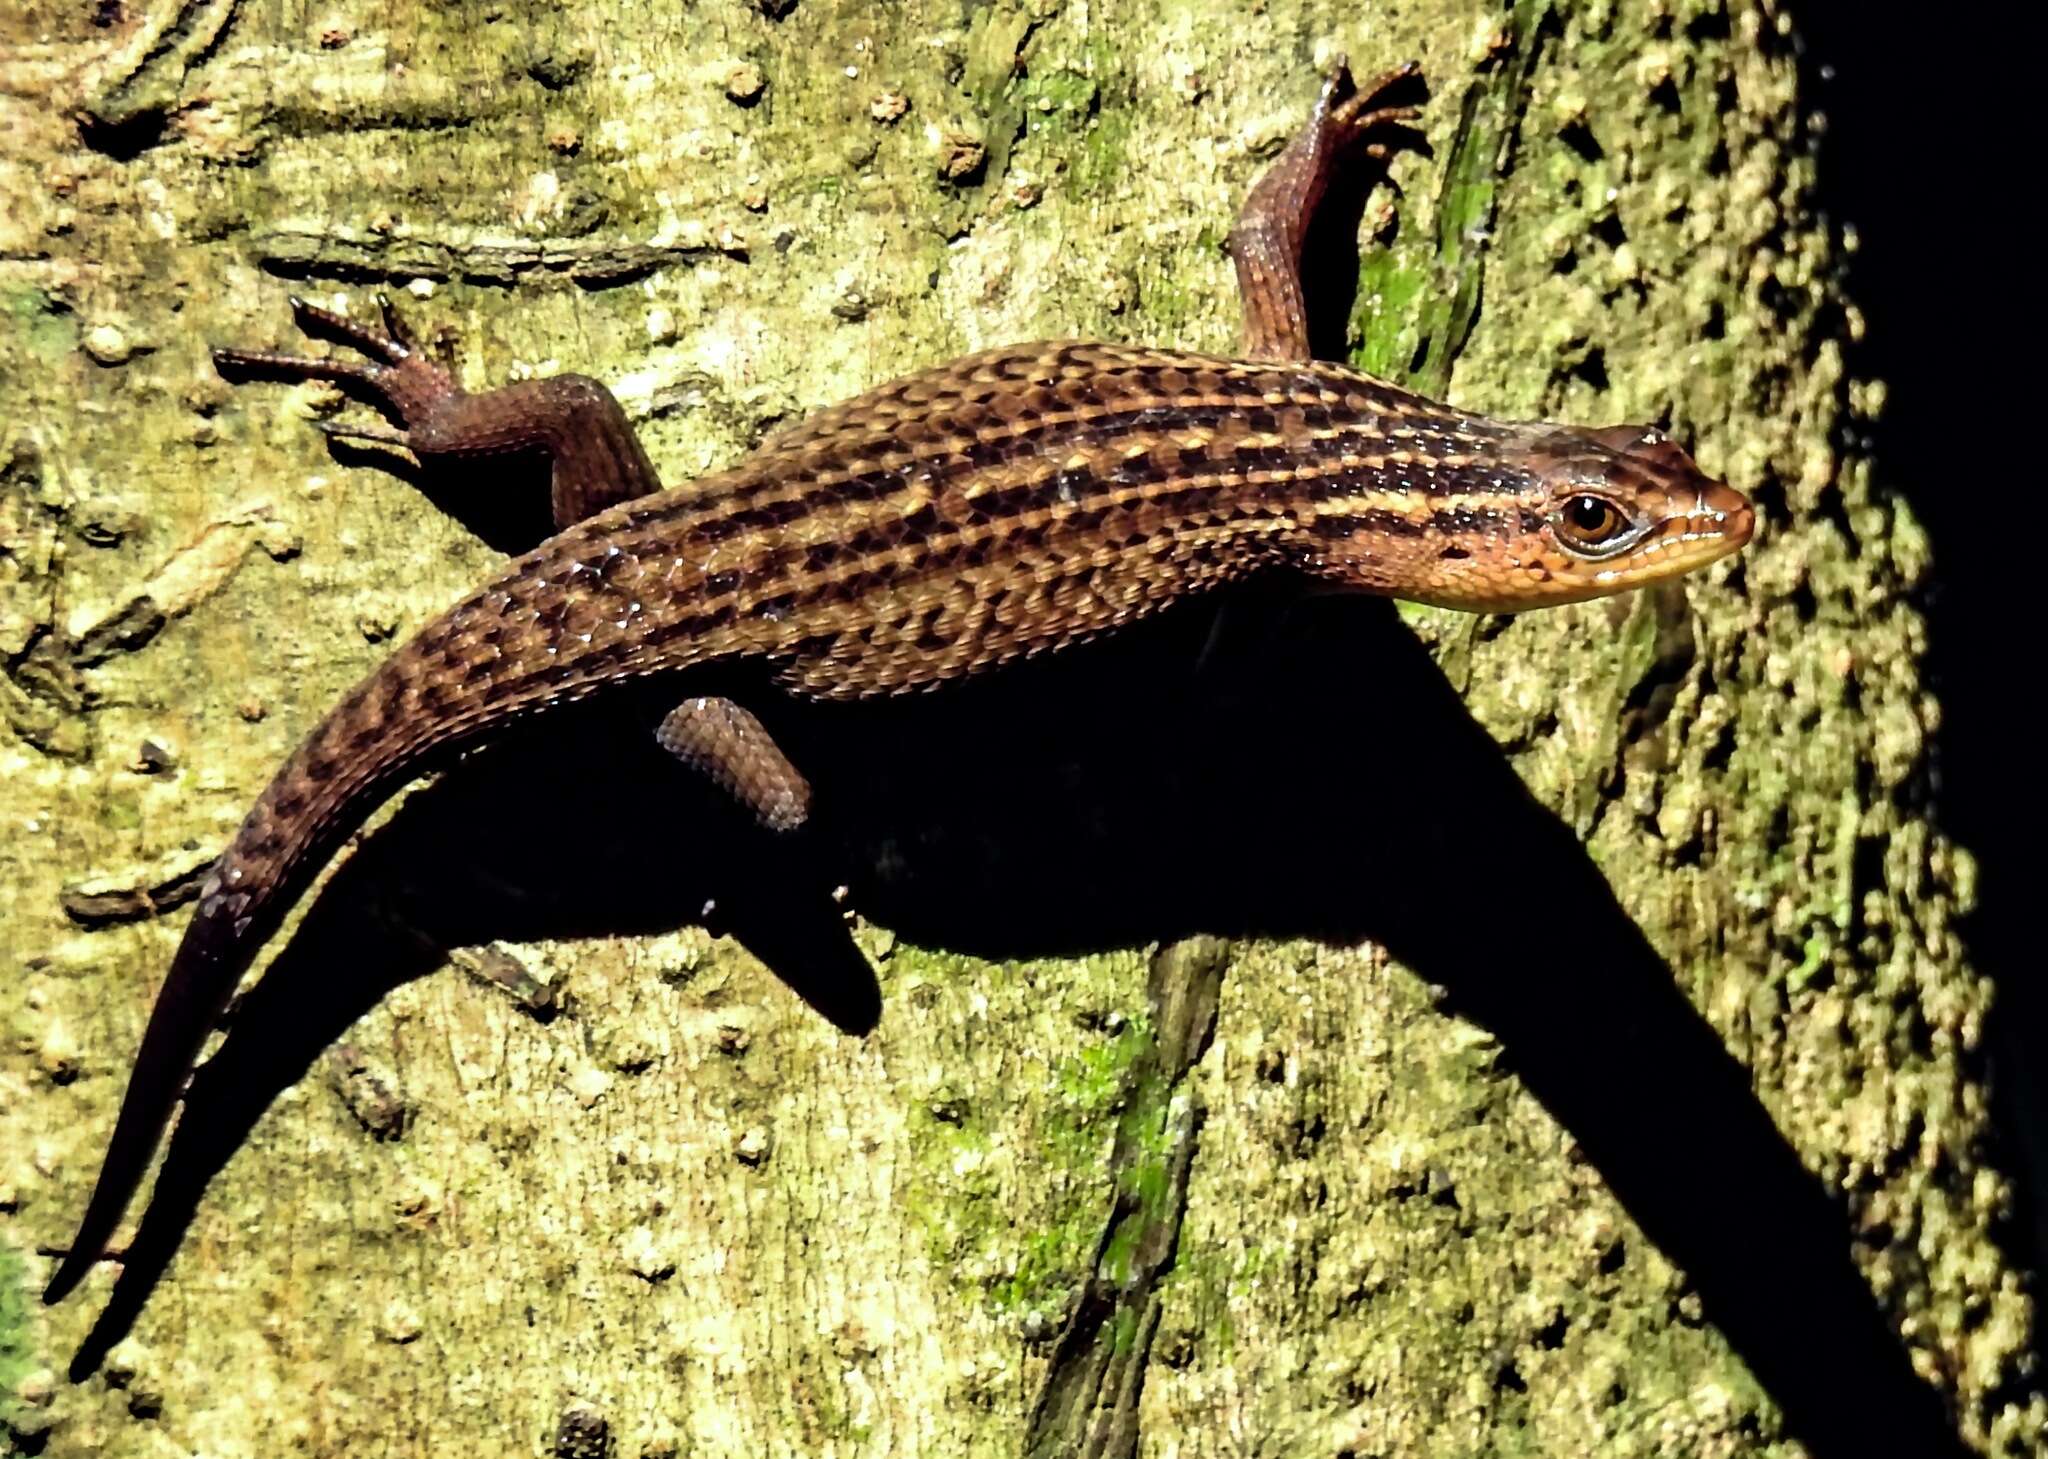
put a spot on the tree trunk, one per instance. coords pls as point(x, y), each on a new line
point(1263, 1069)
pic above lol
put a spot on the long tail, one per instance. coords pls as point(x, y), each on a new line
point(439, 691)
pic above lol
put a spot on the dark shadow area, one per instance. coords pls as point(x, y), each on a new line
point(509, 515)
point(1923, 154)
point(1145, 788)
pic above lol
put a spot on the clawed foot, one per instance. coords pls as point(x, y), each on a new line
point(399, 379)
point(1345, 113)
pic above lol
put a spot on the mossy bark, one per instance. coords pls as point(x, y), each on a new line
point(1244, 1196)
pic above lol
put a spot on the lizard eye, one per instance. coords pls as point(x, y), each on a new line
point(1590, 523)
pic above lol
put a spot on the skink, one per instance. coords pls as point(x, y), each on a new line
point(1000, 506)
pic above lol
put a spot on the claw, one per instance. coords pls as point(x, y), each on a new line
point(394, 324)
point(342, 431)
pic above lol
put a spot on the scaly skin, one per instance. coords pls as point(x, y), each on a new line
point(999, 506)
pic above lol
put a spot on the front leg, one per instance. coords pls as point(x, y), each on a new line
point(595, 458)
point(1266, 243)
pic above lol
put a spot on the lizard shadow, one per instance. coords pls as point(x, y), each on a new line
point(1140, 789)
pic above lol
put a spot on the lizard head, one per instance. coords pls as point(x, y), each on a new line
point(1624, 506)
point(1558, 514)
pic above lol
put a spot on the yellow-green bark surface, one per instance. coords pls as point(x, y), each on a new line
point(685, 1217)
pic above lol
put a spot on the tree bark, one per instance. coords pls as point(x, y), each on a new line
point(1313, 1030)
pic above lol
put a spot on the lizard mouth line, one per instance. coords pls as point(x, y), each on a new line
point(1695, 540)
